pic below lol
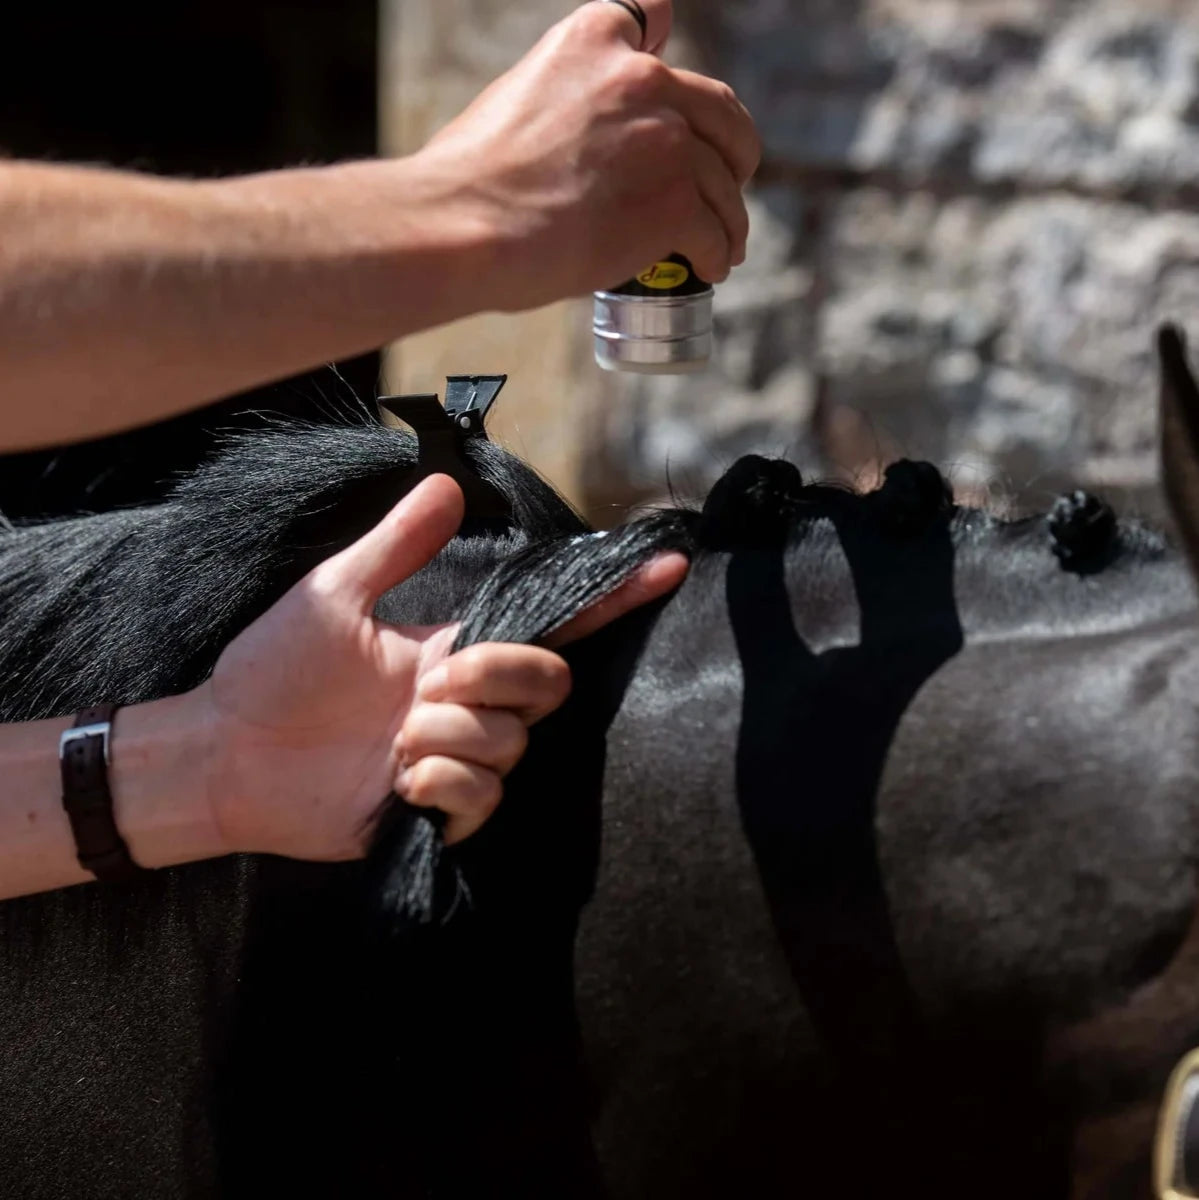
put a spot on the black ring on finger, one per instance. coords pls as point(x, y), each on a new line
point(637, 13)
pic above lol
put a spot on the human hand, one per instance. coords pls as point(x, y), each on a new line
point(319, 710)
point(589, 161)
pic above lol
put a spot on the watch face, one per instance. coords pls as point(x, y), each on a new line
point(1176, 1153)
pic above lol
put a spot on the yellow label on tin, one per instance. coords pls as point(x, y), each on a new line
point(664, 275)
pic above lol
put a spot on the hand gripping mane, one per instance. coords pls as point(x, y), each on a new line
point(416, 881)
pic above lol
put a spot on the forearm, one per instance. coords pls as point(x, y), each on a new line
point(158, 778)
point(127, 298)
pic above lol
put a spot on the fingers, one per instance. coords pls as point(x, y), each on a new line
point(725, 153)
point(492, 738)
point(722, 197)
point(705, 241)
point(527, 680)
point(468, 727)
point(453, 759)
point(691, 117)
point(617, 22)
point(720, 119)
point(661, 574)
point(466, 792)
point(403, 542)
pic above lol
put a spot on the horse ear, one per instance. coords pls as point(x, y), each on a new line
point(1179, 422)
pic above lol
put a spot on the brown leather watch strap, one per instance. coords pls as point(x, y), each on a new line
point(83, 754)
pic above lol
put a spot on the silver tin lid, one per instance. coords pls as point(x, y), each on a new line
point(651, 334)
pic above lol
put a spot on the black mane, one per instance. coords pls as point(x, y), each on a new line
point(135, 604)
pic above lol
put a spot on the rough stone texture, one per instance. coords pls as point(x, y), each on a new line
point(1038, 92)
point(1012, 339)
point(977, 212)
point(971, 215)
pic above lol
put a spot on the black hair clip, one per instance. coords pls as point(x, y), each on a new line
point(441, 435)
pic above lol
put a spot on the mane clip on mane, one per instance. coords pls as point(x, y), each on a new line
point(442, 433)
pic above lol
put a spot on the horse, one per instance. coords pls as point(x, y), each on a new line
point(865, 860)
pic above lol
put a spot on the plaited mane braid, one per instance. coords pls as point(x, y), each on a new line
point(1082, 531)
point(913, 495)
point(755, 503)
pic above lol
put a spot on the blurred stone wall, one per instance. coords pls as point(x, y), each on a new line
point(970, 217)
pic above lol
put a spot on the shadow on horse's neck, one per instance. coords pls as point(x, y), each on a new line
point(815, 733)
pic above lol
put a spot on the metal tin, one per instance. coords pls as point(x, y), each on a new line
point(658, 322)
point(652, 335)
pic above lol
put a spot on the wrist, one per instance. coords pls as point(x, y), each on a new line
point(162, 755)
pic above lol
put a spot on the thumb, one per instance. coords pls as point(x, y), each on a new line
point(403, 542)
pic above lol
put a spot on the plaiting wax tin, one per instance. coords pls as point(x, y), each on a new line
point(658, 323)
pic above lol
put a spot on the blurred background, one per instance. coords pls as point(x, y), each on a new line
point(970, 217)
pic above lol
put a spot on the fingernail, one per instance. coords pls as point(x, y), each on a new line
point(434, 684)
point(403, 780)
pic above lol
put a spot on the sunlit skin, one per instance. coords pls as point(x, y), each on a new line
point(126, 299)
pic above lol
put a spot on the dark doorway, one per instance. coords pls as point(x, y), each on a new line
point(199, 88)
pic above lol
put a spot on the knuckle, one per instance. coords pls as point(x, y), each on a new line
point(753, 156)
point(492, 790)
point(585, 22)
point(324, 579)
point(658, 146)
point(672, 133)
point(469, 670)
point(561, 680)
point(422, 784)
point(415, 734)
point(711, 261)
point(578, 31)
point(553, 678)
point(558, 37)
point(520, 747)
point(483, 794)
point(515, 742)
point(727, 95)
point(641, 78)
